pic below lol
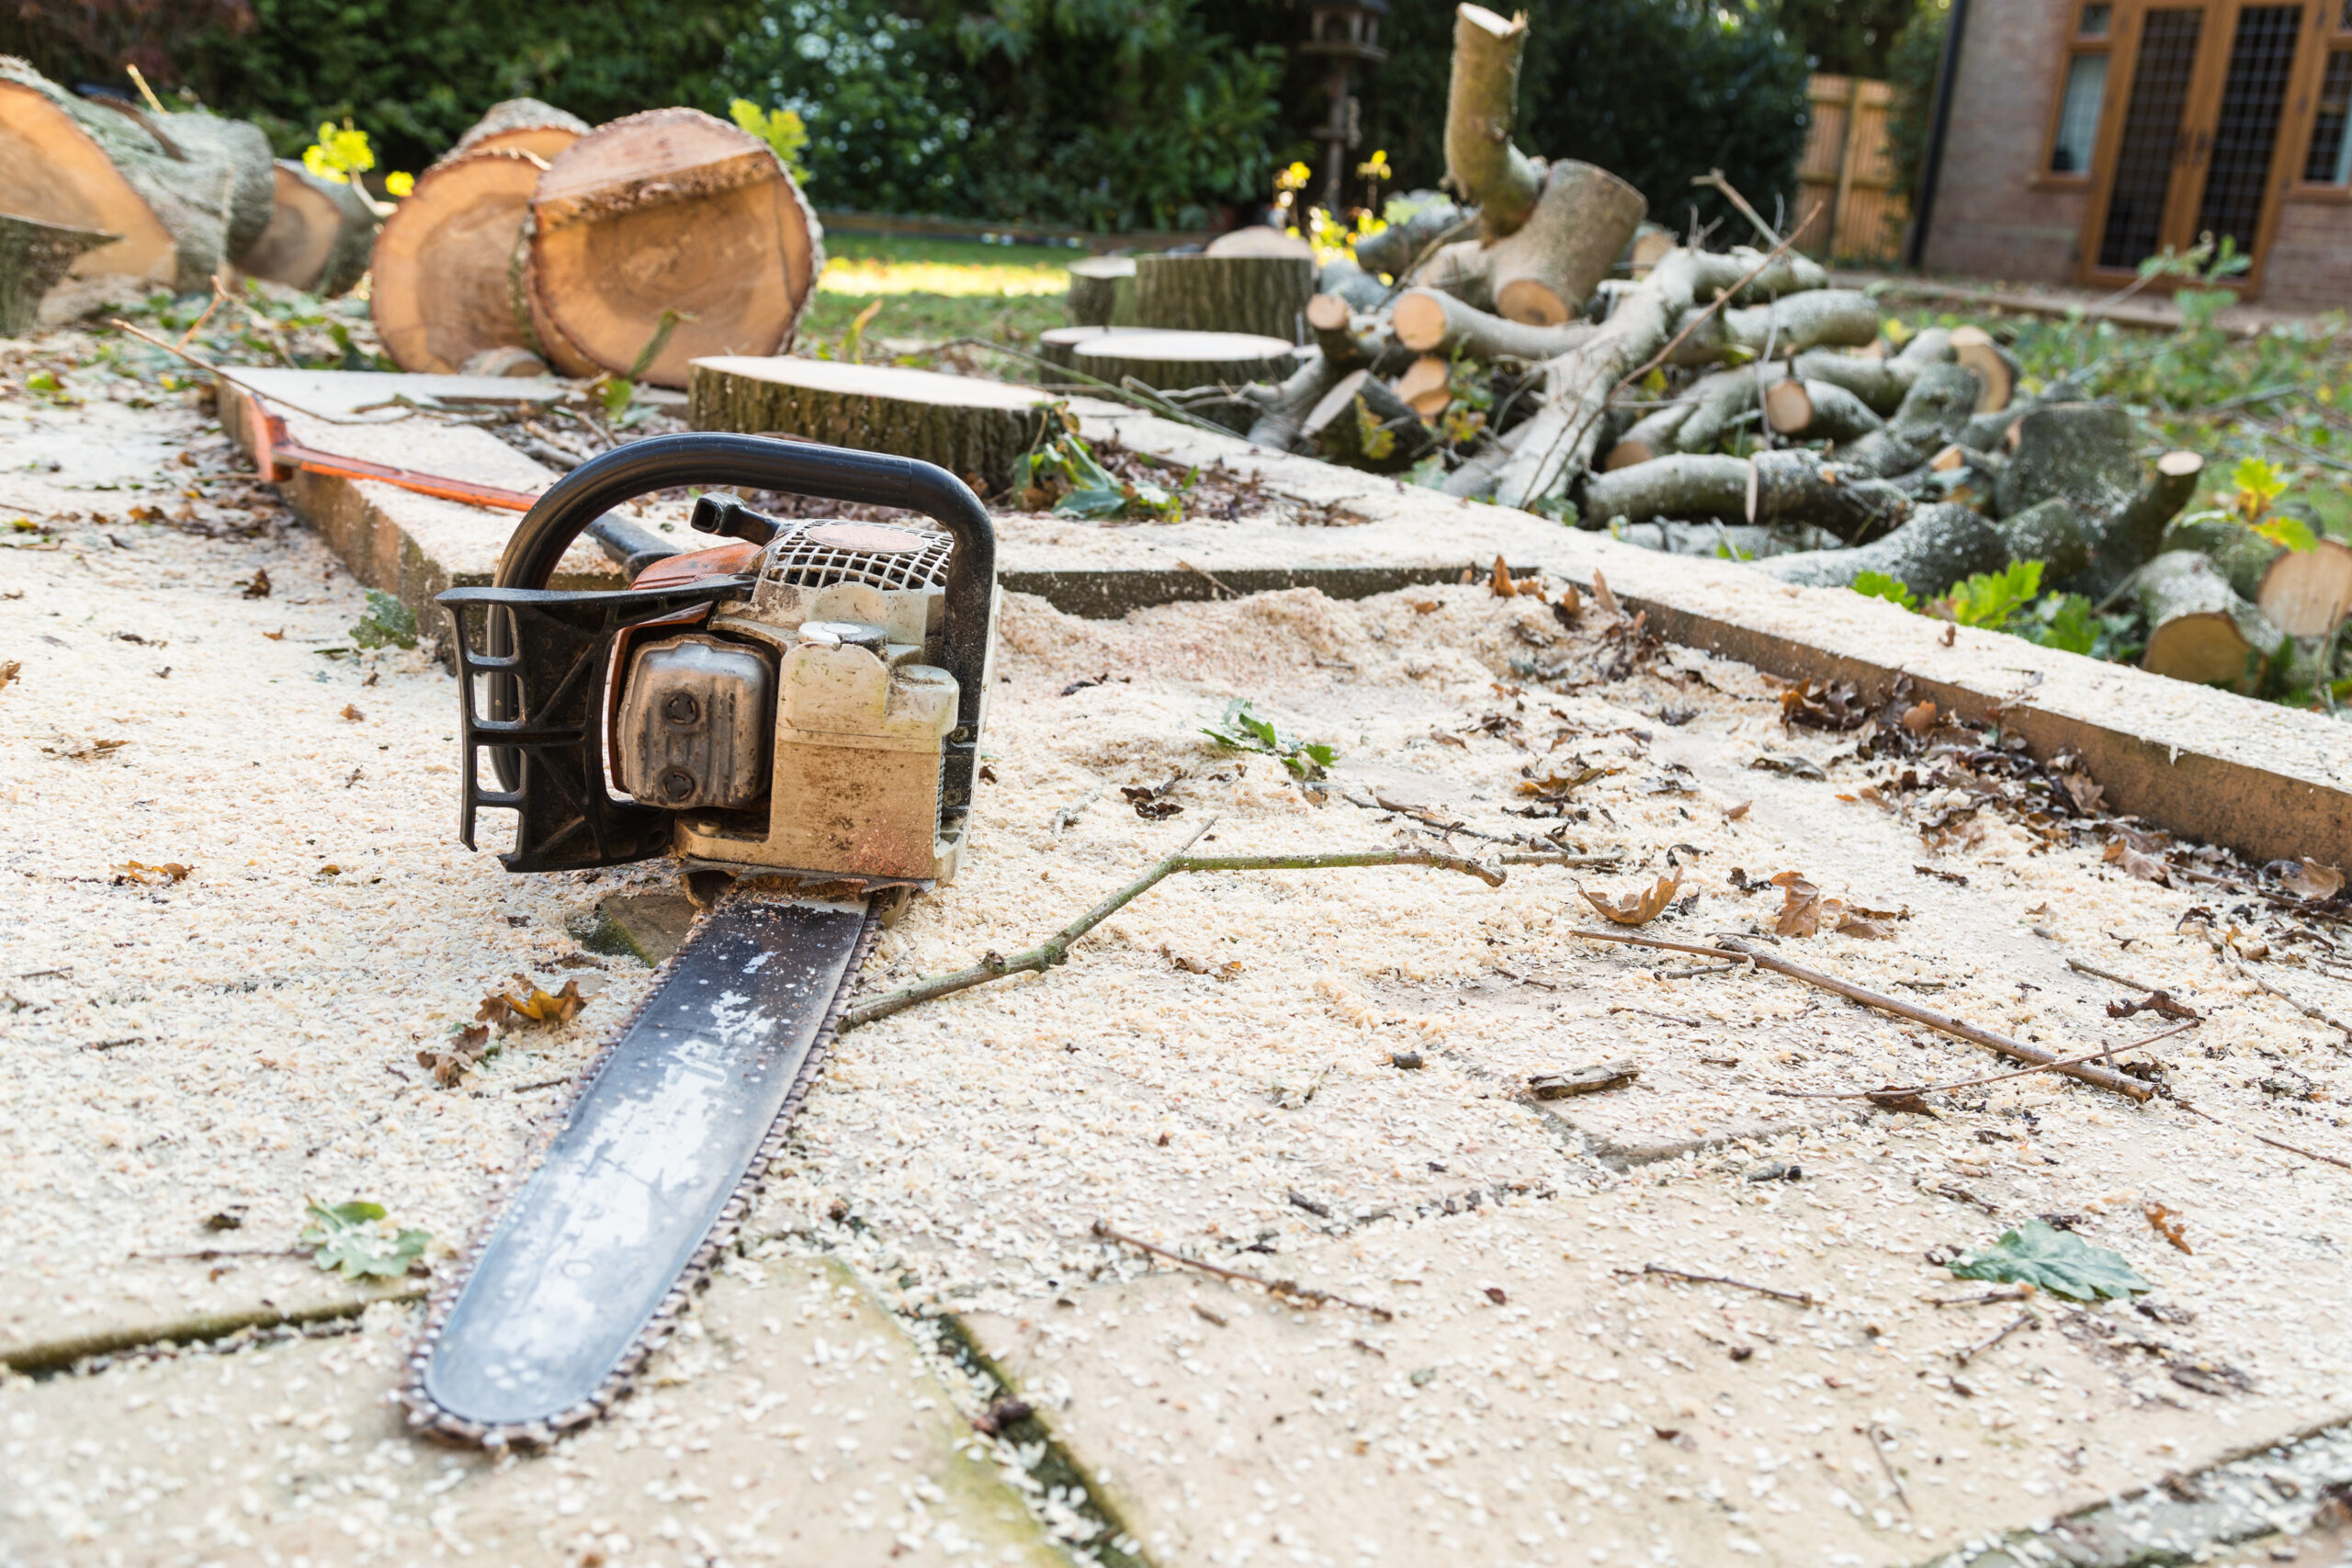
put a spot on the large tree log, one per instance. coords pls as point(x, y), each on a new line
point(182, 191)
point(1266, 295)
point(1361, 423)
point(672, 214)
point(1284, 407)
point(1785, 274)
point(1544, 269)
point(2198, 628)
point(973, 428)
point(520, 125)
point(1720, 541)
point(2084, 453)
point(1428, 322)
point(1481, 106)
point(1932, 413)
point(1880, 381)
point(540, 333)
point(1170, 359)
point(1817, 411)
point(2049, 533)
point(1103, 292)
point(1935, 547)
point(439, 295)
point(1700, 485)
point(1720, 402)
point(1798, 487)
point(1395, 248)
point(1789, 325)
point(33, 256)
point(2306, 594)
point(321, 236)
point(1352, 283)
point(1995, 367)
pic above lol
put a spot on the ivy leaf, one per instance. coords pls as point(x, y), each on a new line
point(2058, 1261)
point(1879, 585)
point(351, 1238)
point(388, 623)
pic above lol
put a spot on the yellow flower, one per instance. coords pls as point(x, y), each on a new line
point(400, 184)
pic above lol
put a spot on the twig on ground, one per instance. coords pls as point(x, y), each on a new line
point(1961, 1195)
point(2079, 968)
point(2314, 1014)
point(1067, 818)
point(2015, 1050)
point(1993, 1078)
point(1963, 1356)
point(1525, 979)
point(1560, 857)
point(231, 377)
point(1288, 1289)
point(1056, 949)
point(218, 294)
point(2257, 1137)
point(543, 1083)
point(1799, 1297)
point(1225, 588)
point(1668, 1017)
point(1703, 969)
point(2014, 1293)
point(1879, 1442)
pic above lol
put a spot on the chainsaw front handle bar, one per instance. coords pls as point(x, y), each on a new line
point(715, 459)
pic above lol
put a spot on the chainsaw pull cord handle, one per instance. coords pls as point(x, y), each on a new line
point(797, 468)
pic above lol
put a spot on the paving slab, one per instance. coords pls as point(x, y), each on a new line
point(791, 1421)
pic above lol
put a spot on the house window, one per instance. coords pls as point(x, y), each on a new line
point(2095, 19)
point(2070, 152)
point(2330, 161)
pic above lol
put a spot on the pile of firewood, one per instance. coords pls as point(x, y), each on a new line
point(1493, 336)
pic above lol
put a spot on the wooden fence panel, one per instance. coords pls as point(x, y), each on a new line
point(1848, 171)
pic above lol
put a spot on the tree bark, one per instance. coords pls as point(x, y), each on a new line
point(2051, 533)
point(1789, 325)
point(1103, 292)
point(1699, 485)
point(520, 125)
point(1544, 270)
point(1361, 423)
point(1935, 547)
point(1879, 383)
point(1428, 322)
point(1718, 399)
point(33, 256)
point(439, 295)
point(973, 428)
point(321, 236)
point(1264, 295)
point(1932, 413)
point(2199, 629)
point(672, 212)
point(1394, 248)
point(2306, 594)
point(1352, 283)
point(1720, 541)
point(1349, 339)
point(1287, 405)
point(2121, 540)
point(1481, 108)
point(243, 151)
point(2085, 453)
point(1173, 359)
point(1798, 487)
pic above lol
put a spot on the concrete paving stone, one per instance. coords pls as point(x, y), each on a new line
point(791, 1422)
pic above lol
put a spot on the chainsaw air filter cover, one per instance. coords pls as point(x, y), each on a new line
point(693, 723)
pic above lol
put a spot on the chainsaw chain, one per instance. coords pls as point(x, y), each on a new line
point(427, 1417)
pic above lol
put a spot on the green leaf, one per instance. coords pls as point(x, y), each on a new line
point(1879, 585)
point(388, 623)
point(2055, 1260)
point(1993, 599)
point(2064, 621)
point(2291, 532)
point(351, 1238)
point(1097, 502)
point(1243, 730)
point(2259, 479)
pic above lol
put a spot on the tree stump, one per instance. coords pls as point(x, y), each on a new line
point(320, 233)
point(2198, 628)
point(1259, 240)
point(33, 256)
point(1057, 345)
point(1103, 292)
point(1264, 295)
point(440, 291)
point(971, 427)
point(520, 125)
point(1173, 359)
point(671, 213)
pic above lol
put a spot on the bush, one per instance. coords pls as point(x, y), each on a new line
point(1655, 91)
point(1918, 52)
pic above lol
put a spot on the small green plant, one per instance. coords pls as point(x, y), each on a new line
point(1879, 585)
point(781, 129)
point(388, 623)
point(2257, 483)
point(1992, 599)
point(1241, 729)
point(2011, 601)
point(352, 1240)
point(1061, 474)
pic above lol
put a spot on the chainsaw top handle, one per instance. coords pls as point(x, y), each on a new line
point(797, 468)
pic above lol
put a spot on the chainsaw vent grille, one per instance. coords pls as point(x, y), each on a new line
point(797, 561)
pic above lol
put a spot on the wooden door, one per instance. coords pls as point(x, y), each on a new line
point(2196, 131)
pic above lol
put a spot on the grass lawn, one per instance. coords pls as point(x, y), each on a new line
point(932, 290)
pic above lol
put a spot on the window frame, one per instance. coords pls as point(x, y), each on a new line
point(2334, 38)
point(2077, 44)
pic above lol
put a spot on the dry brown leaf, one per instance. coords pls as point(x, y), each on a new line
point(1427, 607)
point(351, 711)
point(1920, 717)
point(1899, 1100)
point(2135, 862)
point(2166, 1224)
point(1799, 912)
point(528, 1004)
point(1570, 606)
point(467, 1047)
point(1605, 599)
point(258, 588)
point(142, 875)
point(1734, 812)
point(1873, 925)
point(277, 635)
point(82, 749)
point(1637, 908)
point(1559, 787)
point(1500, 582)
point(8, 671)
point(2309, 879)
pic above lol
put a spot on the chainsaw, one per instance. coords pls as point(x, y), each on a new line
point(793, 717)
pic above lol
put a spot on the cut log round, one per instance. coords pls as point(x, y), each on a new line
point(1397, 247)
point(439, 294)
point(540, 334)
point(1350, 283)
point(1347, 341)
point(1697, 485)
point(2306, 594)
point(973, 428)
point(1057, 345)
point(1997, 371)
point(1259, 240)
point(1544, 270)
point(1185, 360)
point(1934, 548)
point(1266, 295)
point(1798, 487)
point(672, 211)
point(1789, 325)
point(1817, 411)
point(1285, 408)
point(1361, 424)
point(2198, 628)
point(321, 236)
point(520, 125)
point(33, 256)
point(1481, 104)
point(1650, 242)
point(2119, 541)
point(1429, 321)
point(1103, 292)
point(69, 162)
point(1426, 386)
